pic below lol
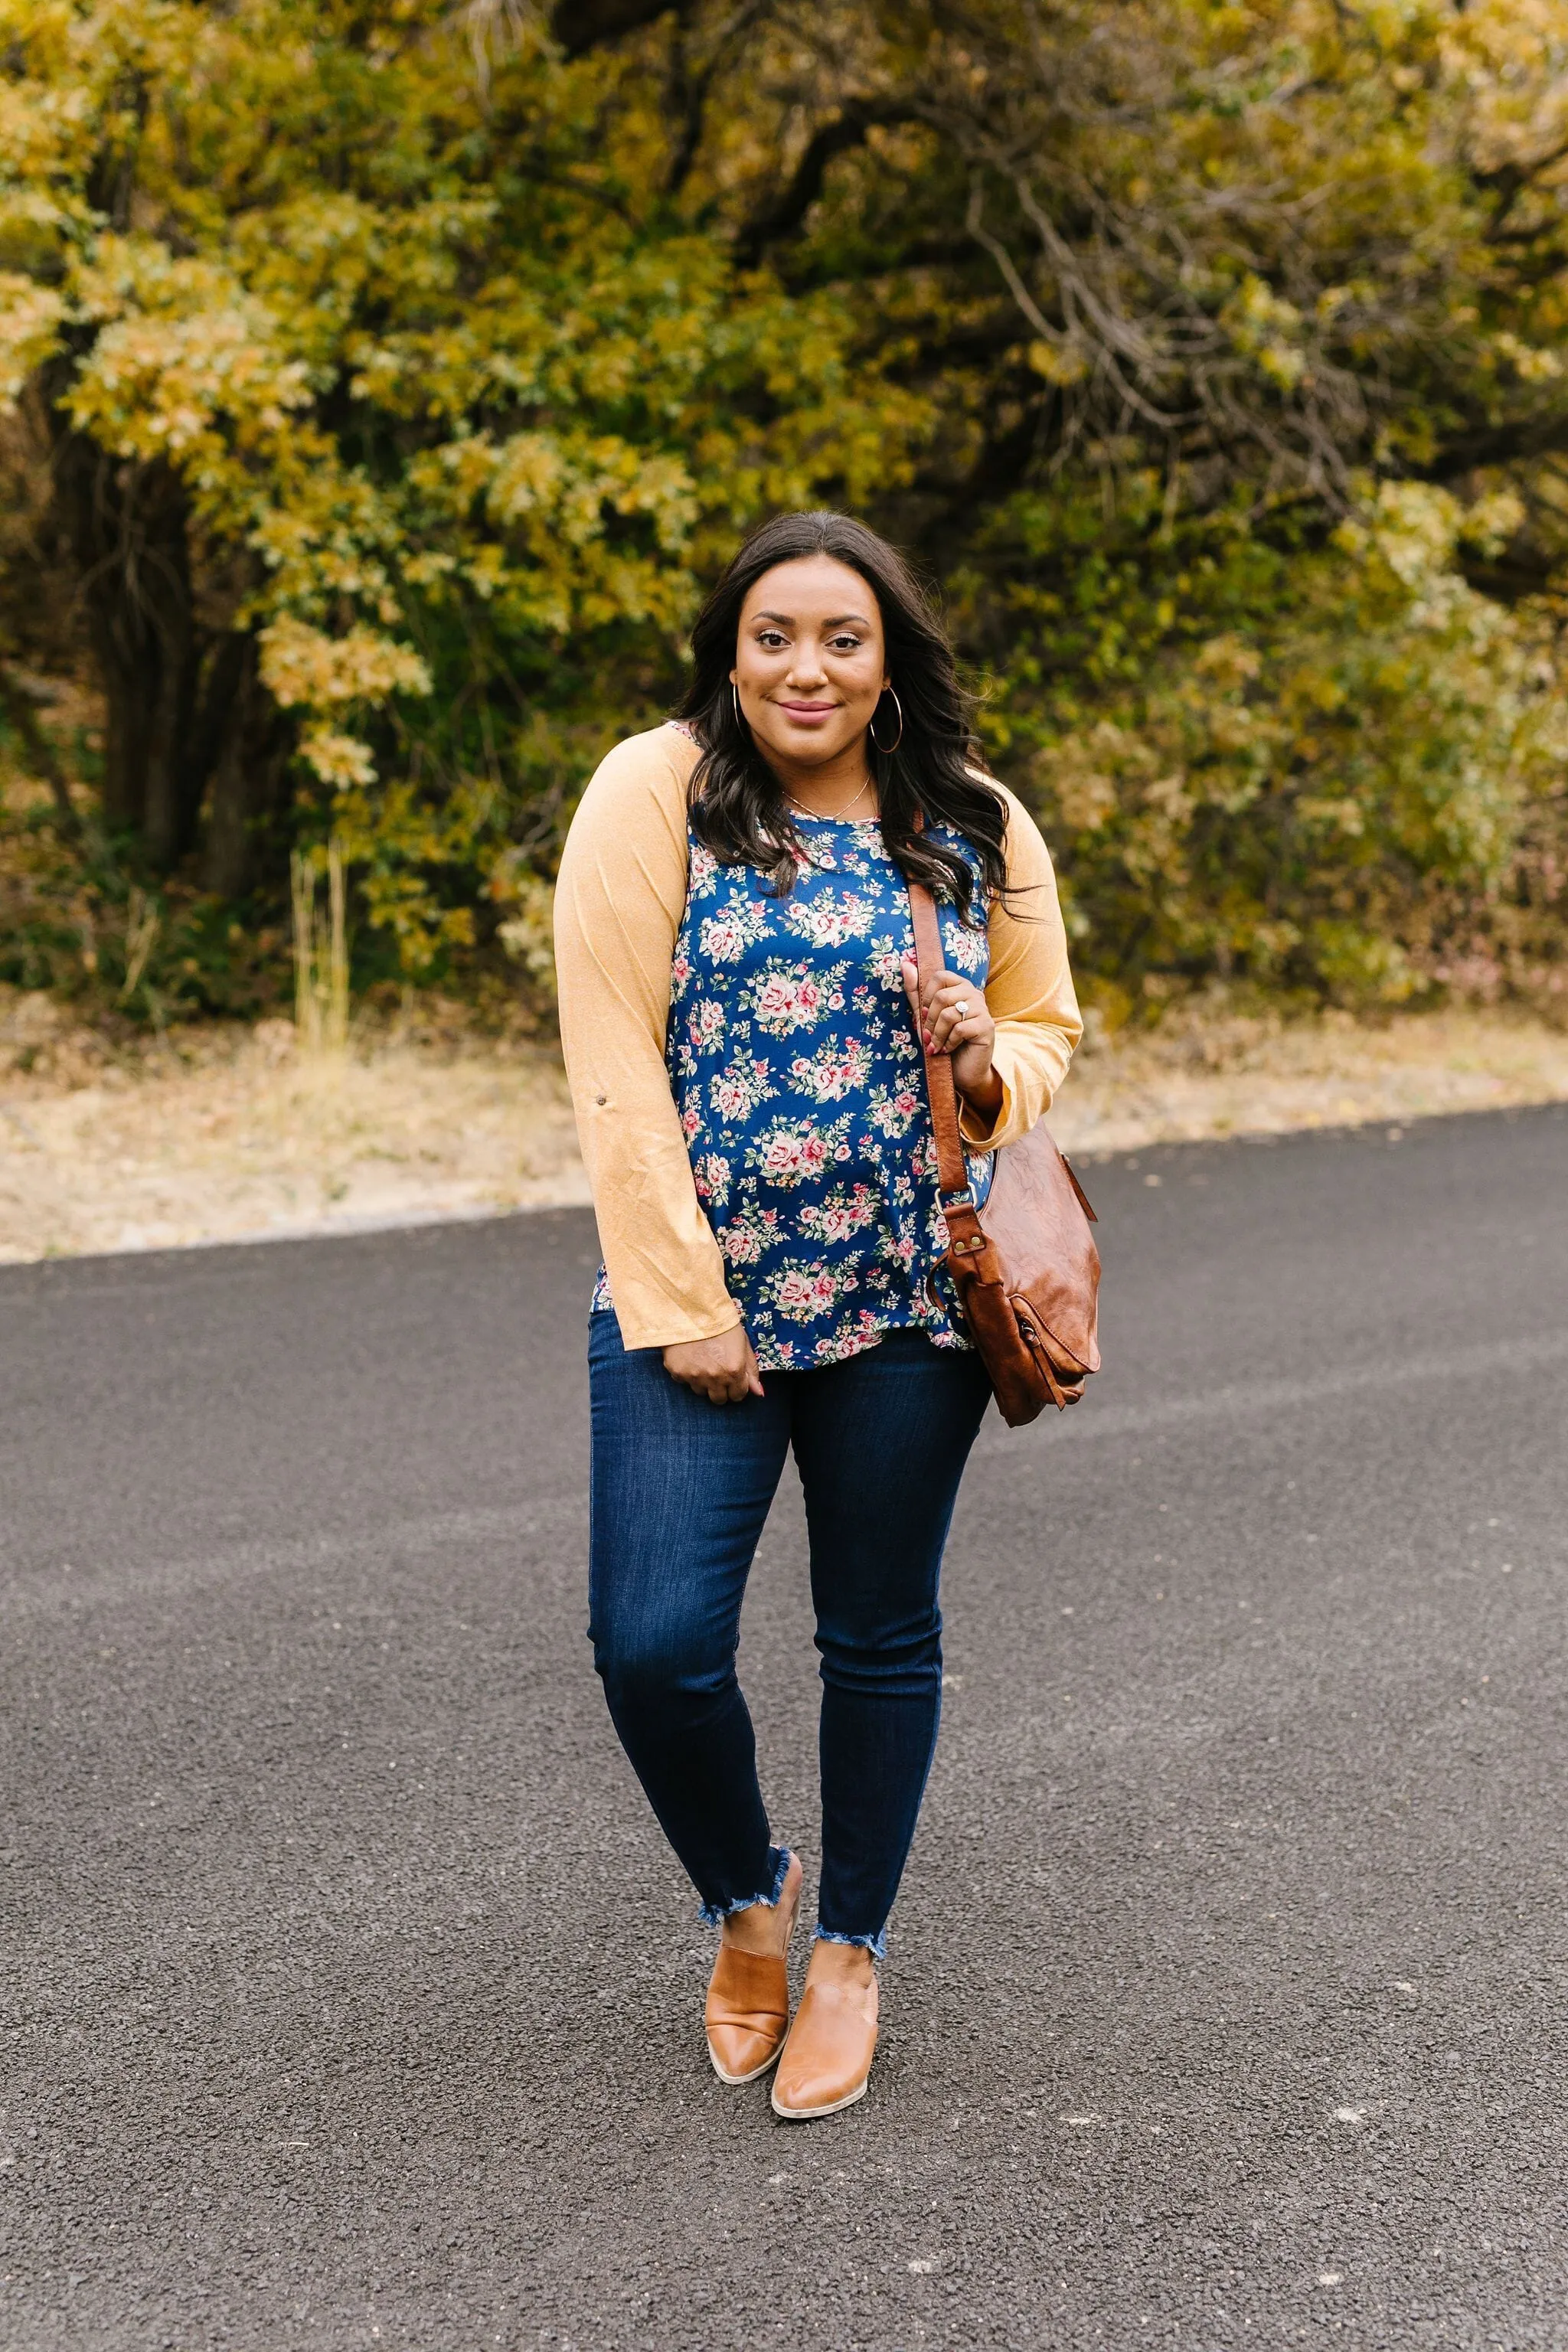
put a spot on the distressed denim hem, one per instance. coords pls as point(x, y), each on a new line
point(875, 1944)
point(712, 1914)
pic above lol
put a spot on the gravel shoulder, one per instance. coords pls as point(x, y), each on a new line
point(233, 1135)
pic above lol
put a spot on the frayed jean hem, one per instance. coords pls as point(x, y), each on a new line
point(875, 1944)
point(713, 1913)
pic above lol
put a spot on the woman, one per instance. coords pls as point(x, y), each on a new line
point(741, 1025)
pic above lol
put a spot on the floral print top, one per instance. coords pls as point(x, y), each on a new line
point(797, 1073)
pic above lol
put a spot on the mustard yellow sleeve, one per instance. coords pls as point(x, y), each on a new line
point(1029, 992)
point(618, 908)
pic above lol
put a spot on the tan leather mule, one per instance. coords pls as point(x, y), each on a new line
point(747, 2009)
point(825, 2064)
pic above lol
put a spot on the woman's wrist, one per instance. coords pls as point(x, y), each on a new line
point(982, 1096)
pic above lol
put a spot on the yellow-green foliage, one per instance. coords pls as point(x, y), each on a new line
point(463, 406)
point(1212, 356)
point(1339, 786)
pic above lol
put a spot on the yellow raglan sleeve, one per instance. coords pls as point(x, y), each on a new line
point(1029, 990)
point(618, 908)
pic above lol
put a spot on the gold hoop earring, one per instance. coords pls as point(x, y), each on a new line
point(885, 748)
point(735, 698)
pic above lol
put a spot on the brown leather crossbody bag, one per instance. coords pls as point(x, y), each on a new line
point(1024, 1266)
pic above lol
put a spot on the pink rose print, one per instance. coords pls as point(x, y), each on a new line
point(827, 921)
point(894, 1113)
point(724, 938)
point(746, 1236)
point(843, 1212)
point(736, 1092)
point(967, 951)
point(805, 1292)
point(711, 1175)
point(705, 1024)
point(787, 1155)
point(789, 999)
point(834, 1071)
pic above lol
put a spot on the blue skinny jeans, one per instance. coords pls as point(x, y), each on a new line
point(680, 1489)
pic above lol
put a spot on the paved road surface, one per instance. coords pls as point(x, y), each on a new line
point(349, 1999)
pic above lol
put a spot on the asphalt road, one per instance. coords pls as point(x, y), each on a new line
point(349, 1998)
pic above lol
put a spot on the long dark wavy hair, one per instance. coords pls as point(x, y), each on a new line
point(738, 807)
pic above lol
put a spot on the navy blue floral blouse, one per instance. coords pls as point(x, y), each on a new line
point(797, 1072)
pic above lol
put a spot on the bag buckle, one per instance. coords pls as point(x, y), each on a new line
point(964, 1199)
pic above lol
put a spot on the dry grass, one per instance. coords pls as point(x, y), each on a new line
point(238, 1136)
point(1215, 1075)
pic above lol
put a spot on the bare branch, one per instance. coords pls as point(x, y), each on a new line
point(1517, 442)
point(784, 212)
point(1117, 340)
point(582, 24)
point(690, 87)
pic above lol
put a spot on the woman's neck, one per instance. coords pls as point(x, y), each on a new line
point(841, 786)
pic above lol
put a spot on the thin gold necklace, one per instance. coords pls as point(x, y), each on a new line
point(833, 816)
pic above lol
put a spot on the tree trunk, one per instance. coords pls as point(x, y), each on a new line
point(129, 528)
point(249, 751)
point(161, 578)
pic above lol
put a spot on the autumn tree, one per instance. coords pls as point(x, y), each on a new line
point(397, 376)
point(387, 395)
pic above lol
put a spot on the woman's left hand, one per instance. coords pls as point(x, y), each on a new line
point(953, 1017)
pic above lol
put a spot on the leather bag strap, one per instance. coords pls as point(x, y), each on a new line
point(969, 1251)
point(953, 1175)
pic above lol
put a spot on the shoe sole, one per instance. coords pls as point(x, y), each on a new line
point(810, 2114)
point(756, 2074)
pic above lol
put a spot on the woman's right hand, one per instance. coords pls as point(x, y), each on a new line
point(724, 1369)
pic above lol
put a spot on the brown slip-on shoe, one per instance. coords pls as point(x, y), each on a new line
point(747, 2011)
point(826, 2061)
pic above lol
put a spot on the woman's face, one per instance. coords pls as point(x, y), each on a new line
point(810, 661)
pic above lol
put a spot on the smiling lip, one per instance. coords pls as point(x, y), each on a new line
point(810, 709)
